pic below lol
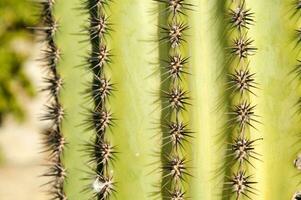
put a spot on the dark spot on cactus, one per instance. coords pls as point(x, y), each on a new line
point(103, 186)
point(99, 58)
point(244, 115)
point(243, 149)
point(298, 36)
point(54, 142)
point(102, 152)
point(177, 194)
point(58, 193)
point(100, 120)
point(298, 4)
point(46, 8)
point(57, 174)
point(241, 17)
point(177, 98)
point(297, 162)
point(242, 47)
point(241, 184)
point(176, 7)
point(92, 4)
point(178, 133)
point(297, 69)
point(175, 168)
point(53, 85)
point(176, 67)
point(297, 196)
point(242, 81)
point(99, 26)
point(55, 113)
point(107, 152)
point(299, 105)
point(101, 89)
point(49, 29)
point(51, 57)
point(174, 33)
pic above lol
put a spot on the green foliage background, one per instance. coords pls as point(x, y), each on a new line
point(15, 40)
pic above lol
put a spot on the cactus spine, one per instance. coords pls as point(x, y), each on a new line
point(175, 99)
point(53, 137)
point(242, 84)
point(100, 119)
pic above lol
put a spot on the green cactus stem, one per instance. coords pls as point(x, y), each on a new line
point(203, 99)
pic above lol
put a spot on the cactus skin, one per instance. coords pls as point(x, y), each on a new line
point(209, 102)
point(72, 96)
point(272, 64)
point(136, 169)
point(135, 133)
point(279, 58)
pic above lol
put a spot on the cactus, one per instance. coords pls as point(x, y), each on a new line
point(174, 99)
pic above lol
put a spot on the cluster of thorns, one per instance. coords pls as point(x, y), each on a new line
point(53, 138)
point(242, 82)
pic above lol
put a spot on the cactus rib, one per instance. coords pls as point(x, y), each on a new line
point(243, 115)
point(175, 169)
point(53, 137)
point(102, 152)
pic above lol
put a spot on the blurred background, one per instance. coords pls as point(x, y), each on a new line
point(21, 162)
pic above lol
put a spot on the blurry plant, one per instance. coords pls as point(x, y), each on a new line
point(15, 40)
